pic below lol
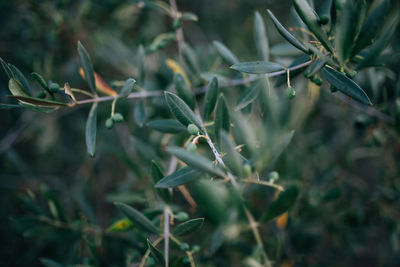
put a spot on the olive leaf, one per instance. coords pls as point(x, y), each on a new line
point(181, 110)
point(137, 218)
point(260, 37)
point(166, 126)
point(345, 85)
point(283, 203)
point(287, 35)
point(225, 53)
point(87, 66)
point(257, 67)
point(196, 161)
point(180, 177)
point(210, 98)
point(188, 227)
point(91, 128)
point(311, 19)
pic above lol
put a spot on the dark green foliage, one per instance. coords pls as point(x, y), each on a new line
point(200, 159)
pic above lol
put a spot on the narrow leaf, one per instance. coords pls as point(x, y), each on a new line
point(188, 227)
point(127, 88)
point(6, 68)
point(181, 110)
point(285, 50)
point(374, 52)
point(16, 88)
point(39, 101)
point(137, 218)
point(40, 80)
point(231, 156)
point(87, 67)
point(157, 174)
point(180, 177)
point(316, 67)
point(210, 98)
point(91, 128)
point(166, 126)
point(248, 96)
point(257, 67)
point(283, 203)
point(311, 19)
point(141, 62)
point(183, 90)
point(21, 78)
point(140, 113)
point(371, 27)
point(196, 161)
point(260, 37)
point(158, 255)
point(346, 28)
point(345, 85)
point(287, 35)
point(221, 118)
point(225, 53)
point(191, 59)
point(8, 106)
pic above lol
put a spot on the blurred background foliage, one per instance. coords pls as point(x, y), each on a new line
point(345, 161)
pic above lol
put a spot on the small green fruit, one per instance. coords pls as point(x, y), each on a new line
point(54, 87)
point(318, 81)
point(195, 249)
point(247, 170)
point(182, 216)
point(117, 117)
point(333, 89)
point(109, 123)
point(191, 147)
point(291, 93)
point(42, 94)
point(273, 176)
point(184, 246)
point(192, 129)
point(324, 19)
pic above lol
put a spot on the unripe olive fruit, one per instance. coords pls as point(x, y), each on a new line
point(324, 19)
point(184, 246)
point(192, 129)
point(247, 170)
point(182, 216)
point(117, 117)
point(333, 89)
point(274, 176)
point(109, 123)
point(54, 87)
point(191, 147)
point(196, 248)
point(291, 93)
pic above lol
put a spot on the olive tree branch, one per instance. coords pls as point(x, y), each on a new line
point(232, 179)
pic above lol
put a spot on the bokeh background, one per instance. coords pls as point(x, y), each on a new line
point(346, 161)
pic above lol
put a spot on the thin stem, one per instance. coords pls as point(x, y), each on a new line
point(257, 236)
point(166, 234)
point(179, 32)
point(213, 148)
point(131, 95)
point(252, 181)
point(77, 90)
point(113, 106)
